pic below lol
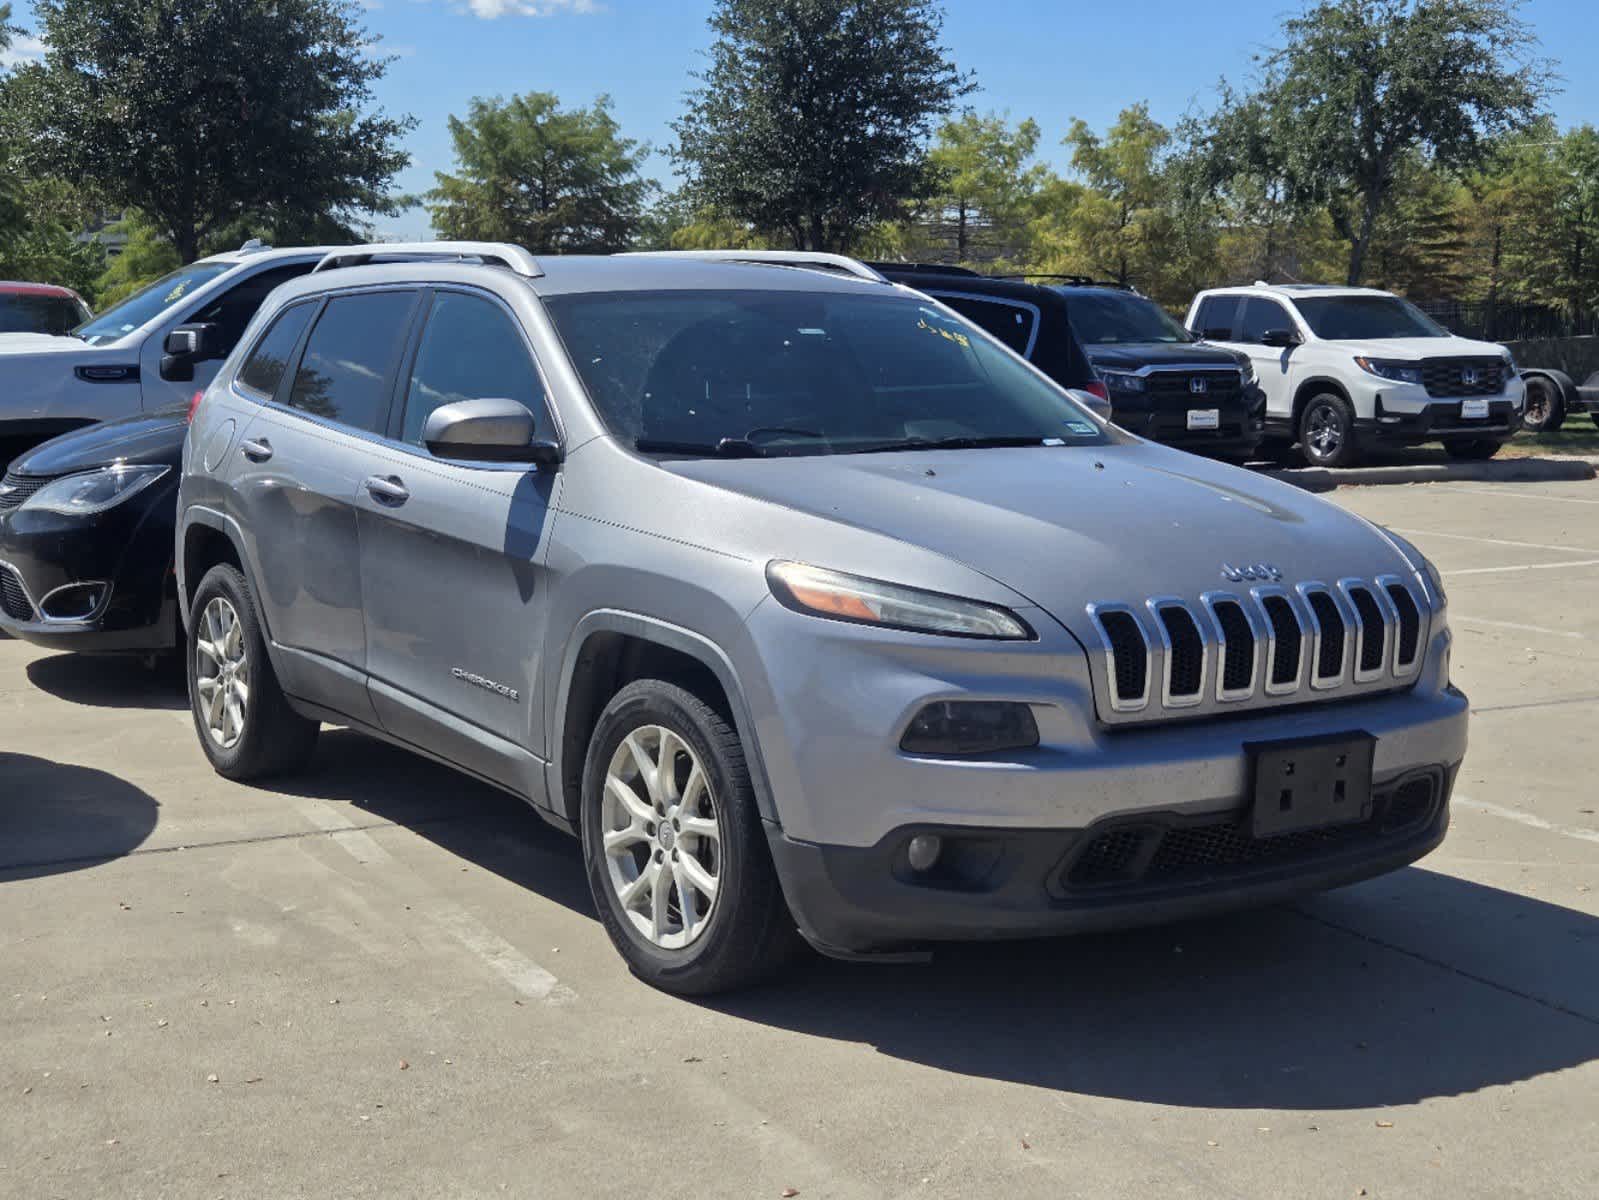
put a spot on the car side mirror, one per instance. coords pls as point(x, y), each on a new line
point(183, 347)
point(1281, 338)
point(493, 429)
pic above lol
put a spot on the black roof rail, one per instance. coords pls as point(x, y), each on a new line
point(924, 268)
point(1071, 280)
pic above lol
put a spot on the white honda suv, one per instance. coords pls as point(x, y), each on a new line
point(1346, 367)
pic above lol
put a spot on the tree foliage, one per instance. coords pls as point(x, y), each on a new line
point(205, 113)
point(1360, 88)
point(813, 117)
point(984, 178)
point(554, 180)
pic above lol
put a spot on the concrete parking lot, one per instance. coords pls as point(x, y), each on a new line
point(381, 979)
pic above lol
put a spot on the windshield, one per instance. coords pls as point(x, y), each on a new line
point(24, 312)
point(751, 372)
point(1365, 318)
point(149, 302)
point(1101, 318)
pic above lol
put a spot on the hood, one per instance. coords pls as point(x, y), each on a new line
point(155, 437)
point(1424, 347)
point(38, 343)
point(1069, 526)
point(1132, 355)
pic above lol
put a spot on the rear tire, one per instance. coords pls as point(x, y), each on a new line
point(1545, 410)
point(246, 726)
point(1327, 431)
point(668, 811)
point(1474, 449)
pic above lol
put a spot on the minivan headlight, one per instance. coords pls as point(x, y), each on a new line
point(1399, 372)
point(90, 492)
point(819, 592)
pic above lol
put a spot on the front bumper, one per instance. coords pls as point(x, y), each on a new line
point(1409, 414)
point(1005, 883)
point(1240, 429)
point(127, 548)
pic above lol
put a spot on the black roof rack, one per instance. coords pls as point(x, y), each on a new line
point(923, 268)
point(1071, 280)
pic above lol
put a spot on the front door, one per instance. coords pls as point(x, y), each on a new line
point(298, 469)
point(452, 557)
point(1274, 365)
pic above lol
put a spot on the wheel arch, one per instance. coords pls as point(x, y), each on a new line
point(609, 649)
point(1314, 386)
point(1564, 384)
point(207, 539)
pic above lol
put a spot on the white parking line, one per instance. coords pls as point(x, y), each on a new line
point(1581, 562)
point(1461, 619)
point(1526, 818)
point(504, 959)
point(1540, 497)
point(1470, 537)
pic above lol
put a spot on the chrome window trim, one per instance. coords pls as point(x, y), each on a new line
point(941, 294)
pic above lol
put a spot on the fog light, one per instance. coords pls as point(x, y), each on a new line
point(74, 602)
point(971, 727)
point(924, 851)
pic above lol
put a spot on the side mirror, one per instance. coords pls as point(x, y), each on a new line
point(487, 430)
point(1281, 338)
point(183, 347)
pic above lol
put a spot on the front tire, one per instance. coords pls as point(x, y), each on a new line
point(1327, 431)
point(1473, 449)
point(673, 846)
point(246, 726)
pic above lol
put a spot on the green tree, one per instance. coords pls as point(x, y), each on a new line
point(813, 117)
point(1122, 223)
point(985, 180)
point(199, 114)
point(1360, 88)
point(554, 180)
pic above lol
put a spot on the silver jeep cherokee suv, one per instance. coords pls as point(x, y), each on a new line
point(804, 602)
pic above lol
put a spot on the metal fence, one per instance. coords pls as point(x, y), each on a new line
point(1510, 322)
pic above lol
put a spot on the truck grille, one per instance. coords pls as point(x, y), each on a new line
point(1220, 385)
point(1167, 658)
point(1449, 376)
point(14, 489)
point(13, 600)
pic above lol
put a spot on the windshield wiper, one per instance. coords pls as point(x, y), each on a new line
point(958, 442)
point(728, 447)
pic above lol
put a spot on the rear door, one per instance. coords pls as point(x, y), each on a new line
point(296, 474)
point(453, 554)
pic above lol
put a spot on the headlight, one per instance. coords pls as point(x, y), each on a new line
point(819, 592)
point(1511, 370)
point(92, 491)
point(1122, 381)
point(1246, 371)
point(1399, 372)
point(1432, 579)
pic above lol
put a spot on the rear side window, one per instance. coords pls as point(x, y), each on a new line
point(1215, 317)
point(470, 350)
point(1259, 316)
point(346, 372)
point(1010, 323)
point(263, 370)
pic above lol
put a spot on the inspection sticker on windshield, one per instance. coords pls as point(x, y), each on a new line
point(1204, 418)
point(1473, 409)
point(1080, 428)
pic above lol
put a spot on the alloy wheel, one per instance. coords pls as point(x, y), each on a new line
point(221, 673)
point(1324, 431)
point(662, 837)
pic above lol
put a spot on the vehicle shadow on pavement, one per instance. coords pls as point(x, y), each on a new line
point(56, 817)
point(109, 682)
point(1330, 1005)
point(473, 821)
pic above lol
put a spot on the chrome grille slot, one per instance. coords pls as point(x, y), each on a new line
point(13, 597)
point(14, 489)
point(1168, 657)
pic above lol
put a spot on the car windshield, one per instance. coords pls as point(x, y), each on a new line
point(1365, 318)
point(31, 312)
point(149, 302)
point(757, 372)
point(1101, 318)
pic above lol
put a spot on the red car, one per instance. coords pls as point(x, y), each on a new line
point(40, 308)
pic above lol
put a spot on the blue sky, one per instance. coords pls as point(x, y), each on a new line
point(1048, 59)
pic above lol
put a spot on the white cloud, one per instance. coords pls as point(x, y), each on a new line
point(489, 9)
point(24, 49)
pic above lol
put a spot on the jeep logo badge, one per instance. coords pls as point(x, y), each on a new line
point(1197, 385)
point(1251, 573)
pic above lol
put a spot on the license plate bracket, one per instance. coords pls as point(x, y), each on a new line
point(1473, 410)
point(1204, 418)
point(1314, 783)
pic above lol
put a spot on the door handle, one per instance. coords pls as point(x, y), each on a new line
point(387, 489)
point(256, 450)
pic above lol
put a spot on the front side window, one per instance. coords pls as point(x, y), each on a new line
point(703, 372)
point(470, 350)
point(1261, 316)
point(1363, 318)
point(345, 372)
point(1121, 318)
point(1010, 323)
point(263, 370)
point(150, 302)
point(1215, 318)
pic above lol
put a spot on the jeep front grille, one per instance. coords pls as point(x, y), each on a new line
point(1168, 658)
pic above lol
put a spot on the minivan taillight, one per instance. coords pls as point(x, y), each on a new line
point(1097, 388)
point(194, 403)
